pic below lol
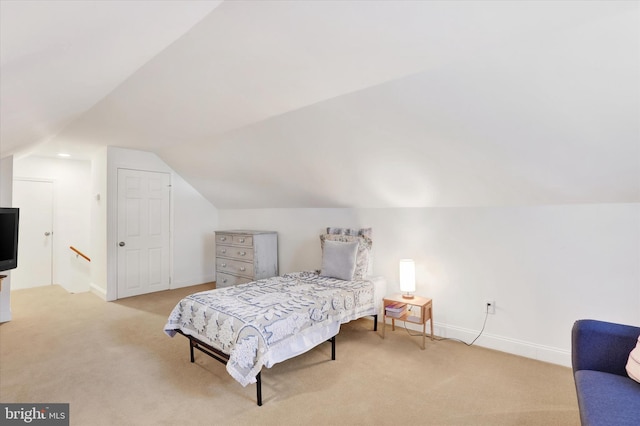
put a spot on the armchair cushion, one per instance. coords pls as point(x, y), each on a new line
point(607, 399)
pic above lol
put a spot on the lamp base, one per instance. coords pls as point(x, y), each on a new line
point(407, 296)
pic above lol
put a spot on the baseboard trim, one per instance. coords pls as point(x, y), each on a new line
point(508, 345)
point(501, 343)
point(98, 291)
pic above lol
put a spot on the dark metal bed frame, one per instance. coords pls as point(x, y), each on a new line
point(224, 358)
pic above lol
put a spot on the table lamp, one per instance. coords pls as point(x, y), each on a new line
point(407, 277)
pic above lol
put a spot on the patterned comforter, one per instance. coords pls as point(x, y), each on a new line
point(267, 321)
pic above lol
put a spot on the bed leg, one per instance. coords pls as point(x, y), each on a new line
point(191, 345)
point(333, 348)
point(259, 389)
point(375, 322)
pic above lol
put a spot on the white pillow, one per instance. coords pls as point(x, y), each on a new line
point(339, 259)
point(633, 364)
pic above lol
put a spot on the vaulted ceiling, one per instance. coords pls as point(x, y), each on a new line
point(338, 104)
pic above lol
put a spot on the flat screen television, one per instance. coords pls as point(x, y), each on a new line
point(9, 218)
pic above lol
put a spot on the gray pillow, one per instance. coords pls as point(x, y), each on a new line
point(339, 259)
point(363, 255)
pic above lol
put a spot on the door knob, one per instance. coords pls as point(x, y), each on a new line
point(121, 244)
point(46, 234)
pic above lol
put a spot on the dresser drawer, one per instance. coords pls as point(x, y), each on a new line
point(224, 238)
point(226, 280)
point(245, 253)
point(231, 266)
point(243, 240)
point(235, 239)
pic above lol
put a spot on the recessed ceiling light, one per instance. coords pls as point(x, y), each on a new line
point(62, 154)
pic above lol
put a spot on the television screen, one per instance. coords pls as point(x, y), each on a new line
point(9, 219)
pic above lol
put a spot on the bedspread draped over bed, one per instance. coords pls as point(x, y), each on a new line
point(267, 321)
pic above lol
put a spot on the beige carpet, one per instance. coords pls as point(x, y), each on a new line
point(115, 366)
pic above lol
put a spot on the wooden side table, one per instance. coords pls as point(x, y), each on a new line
point(426, 313)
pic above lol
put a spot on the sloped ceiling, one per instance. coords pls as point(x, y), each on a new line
point(366, 104)
point(59, 58)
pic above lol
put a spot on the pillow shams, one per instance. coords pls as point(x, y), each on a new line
point(350, 231)
point(339, 259)
point(633, 364)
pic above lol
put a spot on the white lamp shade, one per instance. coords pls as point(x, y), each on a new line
point(407, 275)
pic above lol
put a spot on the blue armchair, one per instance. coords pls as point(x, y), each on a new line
point(599, 354)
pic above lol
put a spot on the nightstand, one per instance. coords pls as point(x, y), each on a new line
point(424, 305)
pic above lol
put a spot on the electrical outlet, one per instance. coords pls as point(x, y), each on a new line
point(490, 306)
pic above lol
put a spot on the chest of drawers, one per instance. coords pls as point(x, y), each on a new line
point(244, 256)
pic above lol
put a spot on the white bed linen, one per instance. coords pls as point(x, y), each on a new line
point(302, 342)
point(268, 321)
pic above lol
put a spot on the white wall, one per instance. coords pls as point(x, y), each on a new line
point(545, 266)
point(194, 223)
point(194, 220)
point(6, 200)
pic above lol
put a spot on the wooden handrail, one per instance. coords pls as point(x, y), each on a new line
point(78, 252)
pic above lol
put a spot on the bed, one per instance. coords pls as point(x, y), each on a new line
point(258, 324)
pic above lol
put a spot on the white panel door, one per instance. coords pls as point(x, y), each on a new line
point(35, 235)
point(143, 232)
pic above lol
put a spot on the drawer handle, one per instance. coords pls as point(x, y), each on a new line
point(223, 251)
point(243, 268)
point(242, 253)
point(242, 240)
point(223, 238)
point(224, 265)
point(224, 280)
